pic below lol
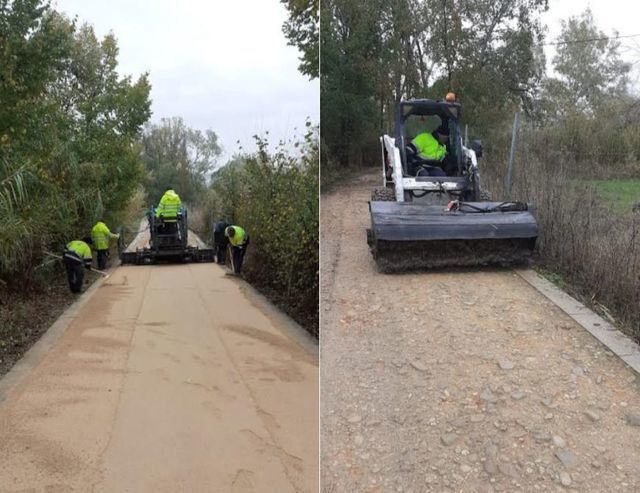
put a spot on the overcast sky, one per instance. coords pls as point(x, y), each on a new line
point(222, 65)
point(226, 66)
point(609, 15)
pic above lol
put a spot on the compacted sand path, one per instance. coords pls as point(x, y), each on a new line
point(168, 378)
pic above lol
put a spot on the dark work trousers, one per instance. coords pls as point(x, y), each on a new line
point(238, 255)
point(431, 171)
point(75, 271)
point(103, 256)
point(220, 242)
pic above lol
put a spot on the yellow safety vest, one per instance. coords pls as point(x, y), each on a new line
point(169, 205)
point(80, 248)
point(429, 148)
point(101, 235)
point(238, 238)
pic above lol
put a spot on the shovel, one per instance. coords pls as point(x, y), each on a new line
point(101, 272)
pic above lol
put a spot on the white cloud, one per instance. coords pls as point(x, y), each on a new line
point(220, 65)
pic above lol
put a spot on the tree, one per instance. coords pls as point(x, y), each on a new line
point(375, 53)
point(178, 156)
point(68, 131)
point(350, 78)
point(487, 52)
point(105, 114)
point(302, 31)
point(589, 65)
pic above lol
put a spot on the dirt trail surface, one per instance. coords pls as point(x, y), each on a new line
point(467, 381)
point(169, 378)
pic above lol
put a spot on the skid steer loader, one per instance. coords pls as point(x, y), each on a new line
point(411, 230)
point(168, 241)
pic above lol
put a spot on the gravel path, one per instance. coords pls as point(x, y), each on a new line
point(460, 381)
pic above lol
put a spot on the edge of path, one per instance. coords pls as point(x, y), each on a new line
point(609, 335)
point(40, 348)
point(288, 325)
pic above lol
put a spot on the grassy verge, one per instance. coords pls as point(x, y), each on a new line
point(331, 179)
point(619, 195)
point(584, 248)
point(578, 293)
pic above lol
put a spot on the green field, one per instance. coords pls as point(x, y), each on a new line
point(621, 195)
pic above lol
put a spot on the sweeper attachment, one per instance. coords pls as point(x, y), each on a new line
point(168, 241)
point(434, 214)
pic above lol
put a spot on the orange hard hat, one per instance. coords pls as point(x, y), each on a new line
point(450, 97)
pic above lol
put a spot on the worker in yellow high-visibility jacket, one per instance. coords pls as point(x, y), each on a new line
point(101, 236)
point(77, 257)
point(168, 210)
point(169, 206)
point(427, 151)
point(238, 242)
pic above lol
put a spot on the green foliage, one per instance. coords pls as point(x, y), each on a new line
point(619, 195)
point(589, 66)
point(602, 146)
point(350, 51)
point(302, 31)
point(274, 195)
point(68, 130)
point(588, 231)
point(376, 53)
point(180, 157)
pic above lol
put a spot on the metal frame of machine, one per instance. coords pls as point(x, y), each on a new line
point(167, 242)
point(406, 234)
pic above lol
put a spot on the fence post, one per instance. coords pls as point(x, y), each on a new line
point(466, 135)
point(512, 154)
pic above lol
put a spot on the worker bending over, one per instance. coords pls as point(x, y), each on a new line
point(77, 257)
point(238, 241)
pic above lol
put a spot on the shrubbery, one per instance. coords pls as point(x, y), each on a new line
point(69, 126)
point(274, 196)
point(594, 247)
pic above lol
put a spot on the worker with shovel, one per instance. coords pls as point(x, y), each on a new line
point(101, 237)
point(238, 242)
point(77, 257)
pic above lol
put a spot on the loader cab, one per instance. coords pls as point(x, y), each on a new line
point(168, 235)
point(425, 115)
